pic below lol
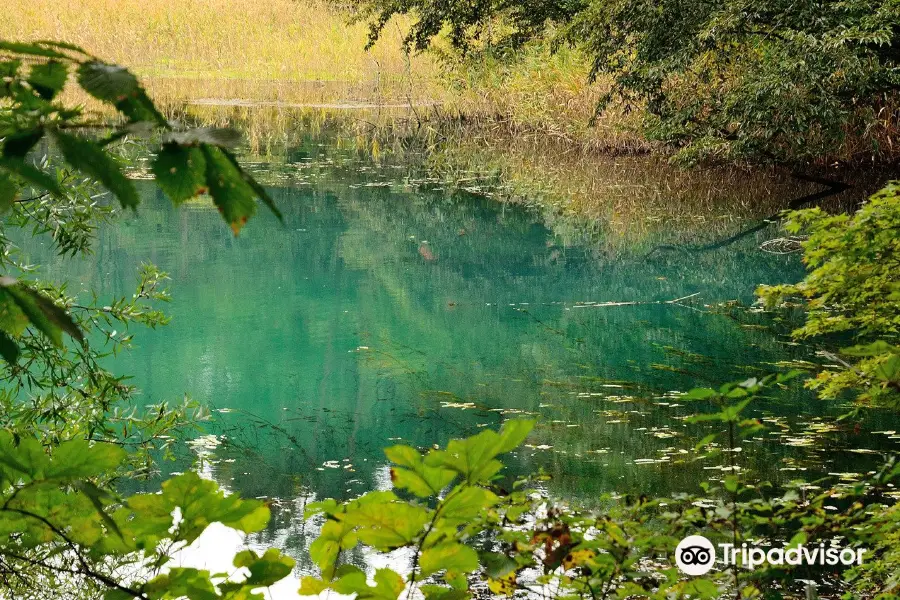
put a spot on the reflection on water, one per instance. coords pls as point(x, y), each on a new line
point(383, 311)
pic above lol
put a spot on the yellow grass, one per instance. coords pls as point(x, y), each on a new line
point(305, 52)
point(286, 50)
point(546, 92)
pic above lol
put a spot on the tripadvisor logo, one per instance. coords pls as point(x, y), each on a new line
point(696, 555)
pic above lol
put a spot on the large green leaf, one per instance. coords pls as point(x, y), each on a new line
point(230, 192)
point(109, 83)
point(388, 584)
point(451, 556)
point(385, 524)
point(18, 145)
point(46, 316)
point(8, 193)
point(138, 107)
point(180, 172)
point(79, 459)
point(181, 582)
point(265, 570)
point(334, 537)
point(466, 504)
point(312, 586)
point(261, 192)
point(441, 592)
point(9, 350)
point(412, 474)
point(31, 49)
point(23, 461)
point(90, 158)
point(12, 320)
point(48, 79)
point(200, 501)
point(475, 457)
point(513, 434)
point(889, 370)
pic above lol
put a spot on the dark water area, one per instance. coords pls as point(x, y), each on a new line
point(385, 311)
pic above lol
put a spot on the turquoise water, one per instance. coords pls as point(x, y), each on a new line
point(384, 311)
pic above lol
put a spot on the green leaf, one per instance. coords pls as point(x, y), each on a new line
point(466, 504)
point(312, 586)
point(261, 193)
point(91, 159)
point(49, 319)
point(474, 457)
point(732, 412)
point(48, 78)
point(19, 144)
point(182, 583)
point(79, 459)
point(731, 483)
point(413, 475)
point(201, 502)
point(109, 83)
point(8, 193)
point(334, 537)
point(96, 496)
point(138, 107)
point(441, 592)
point(703, 588)
point(9, 350)
point(267, 569)
point(513, 434)
point(388, 585)
point(32, 49)
point(706, 441)
point(497, 565)
point(385, 524)
point(889, 370)
point(230, 192)
point(32, 175)
point(180, 172)
point(451, 556)
point(699, 394)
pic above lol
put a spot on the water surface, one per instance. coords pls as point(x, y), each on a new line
point(386, 311)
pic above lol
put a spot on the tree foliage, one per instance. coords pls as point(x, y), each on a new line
point(851, 291)
point(774, 80)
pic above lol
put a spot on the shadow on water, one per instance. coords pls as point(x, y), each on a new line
point(394, 307)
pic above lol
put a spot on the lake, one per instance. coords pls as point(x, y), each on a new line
point(390, 307)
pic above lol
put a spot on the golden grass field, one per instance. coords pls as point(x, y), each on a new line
point(287, 50)
point(306, 52)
